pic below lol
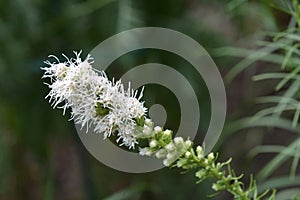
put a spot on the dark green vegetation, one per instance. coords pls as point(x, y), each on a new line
point(41, 156)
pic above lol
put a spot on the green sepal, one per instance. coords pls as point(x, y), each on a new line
point(140, 121)
point(101, 110)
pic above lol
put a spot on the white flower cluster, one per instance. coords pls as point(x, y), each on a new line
point(95, 101)
point(164, 147)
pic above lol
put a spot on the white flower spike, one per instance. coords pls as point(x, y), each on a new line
point(110, 109)
point(95, 100)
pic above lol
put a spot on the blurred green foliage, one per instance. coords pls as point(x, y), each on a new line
point(41, 156)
